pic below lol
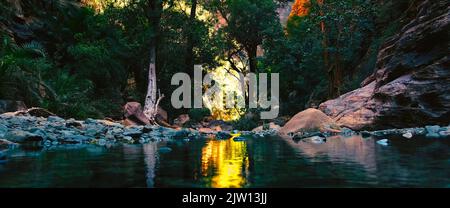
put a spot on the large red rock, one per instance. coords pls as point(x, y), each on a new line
point(134, 114)
point(411, 83)
point(309, 120)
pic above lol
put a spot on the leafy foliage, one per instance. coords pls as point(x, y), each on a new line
point(86, 58)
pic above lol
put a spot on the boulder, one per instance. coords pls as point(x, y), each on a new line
point(134, 114)
point(310, 120)
point(411, 83)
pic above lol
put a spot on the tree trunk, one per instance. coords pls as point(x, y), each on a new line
point(189, 61)
point(151, 100)
point(252, 53)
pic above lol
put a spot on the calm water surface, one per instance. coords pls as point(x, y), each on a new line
point(263, 162)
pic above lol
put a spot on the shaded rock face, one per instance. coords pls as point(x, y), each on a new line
point(411, 83)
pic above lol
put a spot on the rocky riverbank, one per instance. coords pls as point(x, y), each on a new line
point(30, 130)
point(53, 130)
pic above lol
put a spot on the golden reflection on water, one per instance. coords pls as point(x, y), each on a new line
point(226, 162)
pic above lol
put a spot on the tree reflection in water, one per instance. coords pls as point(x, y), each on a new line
point(150, 158)
point(227, 162)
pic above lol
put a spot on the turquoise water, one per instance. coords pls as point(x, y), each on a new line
point(261, 162)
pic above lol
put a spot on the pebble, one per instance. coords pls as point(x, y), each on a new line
point(383, 142)
point(408, 135)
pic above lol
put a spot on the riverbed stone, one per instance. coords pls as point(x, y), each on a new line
point(408, 135)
